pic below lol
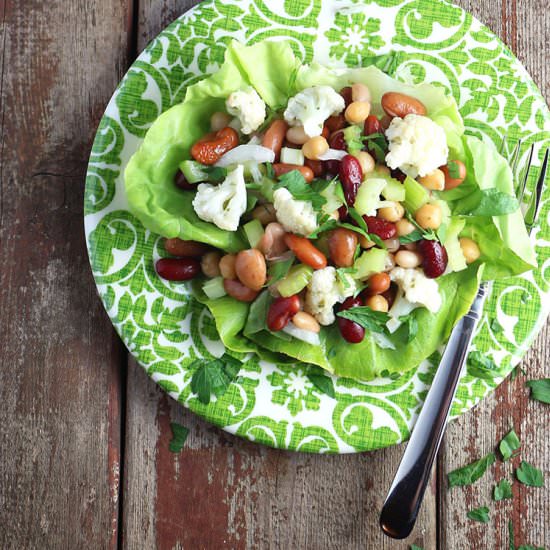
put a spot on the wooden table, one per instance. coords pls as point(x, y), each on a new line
point(84, 460)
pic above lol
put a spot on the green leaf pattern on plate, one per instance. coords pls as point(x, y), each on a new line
point(166, 329)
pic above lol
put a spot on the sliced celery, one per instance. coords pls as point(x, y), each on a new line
point(456, 260)
point(213, 288)
point(394, 190)
point(292, 156)
point(352, 135)
point(332, 197)
point(195, 172)
point(415, 195)
point(296, 280)
point(370, 262)
point(368, 196)
point(254, 232)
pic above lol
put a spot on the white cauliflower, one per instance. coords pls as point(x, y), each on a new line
point(417, 145)
point(248, 107)
point(312, 106)
point(222, 204)
point(324, 291)
point(417, 288)
point(294, 215)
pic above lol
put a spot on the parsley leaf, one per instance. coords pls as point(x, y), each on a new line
point(279, 269)
point(362, 224)
point(413, 237)
point(516, 370)
point(512, 545)
point(529, 547)
point(471, 472)
point(215, 172)
point(414, 547)
point(179, 435)
point(214, 377)
point(529, 475)
point(269, 172)
point(321, 381)
point(341, 273)
point(300, 189)
point(326, 224)
point(454, 169)
point(540, 389)
point(479, 514)
point(481, 366)
point(412, 327)
point(375, 321)
point(502, 490)
point(509, 445)
point(377, 144)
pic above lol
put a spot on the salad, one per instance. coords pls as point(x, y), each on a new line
point(336, 217)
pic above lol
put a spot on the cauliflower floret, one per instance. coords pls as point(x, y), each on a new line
point(324, 291)
point(222, 204)
point(418, 289)
point(312, 106)
point(417, 145)
point(248, 107)
point(294, 215)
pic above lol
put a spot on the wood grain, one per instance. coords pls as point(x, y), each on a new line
point(59, 361)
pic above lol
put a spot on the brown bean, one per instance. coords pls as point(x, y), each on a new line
point(305, 321)
point(274, 137)
point(401, 105)
point(316, 166)
point(272, 243)
point(237, 290)
point(208, 150)
point(342, 244)
point(378, 283)
point(210, 264)
point(251, 269)
point(179, 247)
point(227, 266)
point(282, 168)
point(305, 251)
point(335, 122)
point(451, 183)
point(264, 213)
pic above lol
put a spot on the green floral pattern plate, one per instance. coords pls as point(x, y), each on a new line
point(165, 328)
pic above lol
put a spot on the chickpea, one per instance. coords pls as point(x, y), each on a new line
point(389, 262)
point(377, 303)
point(365, 243)
point(296, 135)
point(404, 227)
point(366, 161)
point(357, 112)
point(429, 216)
point(378, 283)
point(219, 120)
point(251, 269)
point(314, 147)
point(469, 249)
point(393, 245)
point(360, 92)
point(264, 213)
point(407, 259)
point(434, 181)
point(305, 321)
point(392, 213)
point(210, 264)
point(381, 169)
point(227, 266)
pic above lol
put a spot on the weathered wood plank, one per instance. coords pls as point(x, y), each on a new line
point(523, 26)
point(59, 360)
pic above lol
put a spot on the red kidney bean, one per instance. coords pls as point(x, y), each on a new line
point(317, 167)
point(351, 331)
point(182, 183)
point(342, 213)
point(351, 177)
point(335, 122)
point(281, 311)
point(434, 258)
point(372, 125)
point(332, 166)
point(346, 94)
point(337, 141)
point(390, 294)
point(398, 175)
point(178, 269)
point(185, 249)
point(384, 229)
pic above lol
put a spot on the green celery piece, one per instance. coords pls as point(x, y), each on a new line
point(394, 190)
point(368, 195)
point(213, 288)
point(254, 232)
point(296, 280)
point(371, 261)
point(416, 195)
point(456, 260)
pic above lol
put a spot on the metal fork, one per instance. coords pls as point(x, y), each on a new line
point(402, 504)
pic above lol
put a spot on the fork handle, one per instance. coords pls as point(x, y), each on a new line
point(405, 496)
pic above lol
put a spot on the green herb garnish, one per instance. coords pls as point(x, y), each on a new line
point(278, 270)
point(377, 144)
point(471, 472)
point(479, 514)
point(529, 475)
point(269, 171)
point(481, 365)
point(411, 325)
point(300, 189)
point(179, 435)
point(215, 172)
point(321, 381)
point(213, 377)
point(375, 321)
point(540, 389)
point(509, 445)
point(502, 490)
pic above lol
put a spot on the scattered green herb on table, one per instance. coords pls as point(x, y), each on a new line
point(502, 490)
point(471, 472)
point(479, 514)
point(213, 377)
point(179, 435)
point(529, 475)
point(509, 445)
point(540, 389)
point(414, 547)
point(321, 381)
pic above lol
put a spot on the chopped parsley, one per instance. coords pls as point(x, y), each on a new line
point(300, 189)
point(479, 514)
point(540, 389)
point(502, 490)
point(471, 472)
point(213, 376)
point(529, 475)
point(509, 445)
point(411, 324)
point(375, 321)
point(278, 270)
point(179, 435)
point(321, 381)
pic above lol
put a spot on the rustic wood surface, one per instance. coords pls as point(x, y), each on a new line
point(84, 460)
